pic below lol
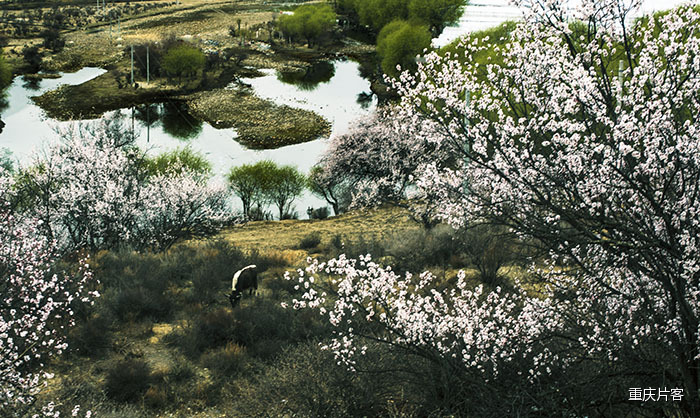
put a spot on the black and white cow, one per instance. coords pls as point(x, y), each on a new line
point(245, 278)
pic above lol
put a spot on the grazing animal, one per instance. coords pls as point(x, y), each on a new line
point(245, 278)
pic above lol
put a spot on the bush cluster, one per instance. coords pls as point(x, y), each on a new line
point(261, 329)
point(318, 213)
point(127, 380)
point(310, 383)
point(310, 241)
point(265, 183)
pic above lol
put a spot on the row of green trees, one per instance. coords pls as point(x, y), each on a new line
point(310, 22)
point(263, 183)
point(375, 14)
point(404, 28)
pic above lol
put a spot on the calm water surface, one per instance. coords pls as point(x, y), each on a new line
point(331, 90)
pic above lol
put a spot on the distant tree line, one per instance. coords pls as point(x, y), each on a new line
point(310, 22)
point(404, 28)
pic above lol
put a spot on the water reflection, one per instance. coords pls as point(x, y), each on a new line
point(172, 117)
point(26, 125)
point(365, 100)
point(147, 114)
point(311, 77)
point(336, 100)
point(160, 128)
point(31, 83)
point(177, 122)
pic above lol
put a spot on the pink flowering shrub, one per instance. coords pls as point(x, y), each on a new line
point(583, 140)
point(475, 327)
point(35, 305)
point(94, 190)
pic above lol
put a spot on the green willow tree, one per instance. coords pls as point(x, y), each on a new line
point(183, 60)
point(310, 22)
point(265, 182)
point(437, 14)
point(286, 184)
point(404, 28)
point(251, 183)
point(376, 14)
point(399, 43)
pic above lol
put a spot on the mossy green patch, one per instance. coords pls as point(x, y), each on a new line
point(261, 124)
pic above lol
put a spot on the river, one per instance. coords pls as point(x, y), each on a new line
point(331, 90)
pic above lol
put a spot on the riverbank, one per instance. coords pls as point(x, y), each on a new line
point(104, 93)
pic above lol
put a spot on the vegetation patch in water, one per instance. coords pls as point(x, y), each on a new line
point(261, 124)
point(91, 99)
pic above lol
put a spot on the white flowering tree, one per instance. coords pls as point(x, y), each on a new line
point(378, 161)
point(93, 190)
point(178, 205)
point(36, 303)
point(583, 138)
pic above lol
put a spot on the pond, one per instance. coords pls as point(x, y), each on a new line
point(330, 89)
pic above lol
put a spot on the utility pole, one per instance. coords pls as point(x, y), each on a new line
point(110, 29)
point(132, 66)
point(148, 66)
point(148, 123)
point(119, 26)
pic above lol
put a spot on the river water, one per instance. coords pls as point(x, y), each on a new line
point(330, 89)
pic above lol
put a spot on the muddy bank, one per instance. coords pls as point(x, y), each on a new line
point(92, 99)
point(261, 124)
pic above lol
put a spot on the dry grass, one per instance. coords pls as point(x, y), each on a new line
point(200, 19)
point(285, 235)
